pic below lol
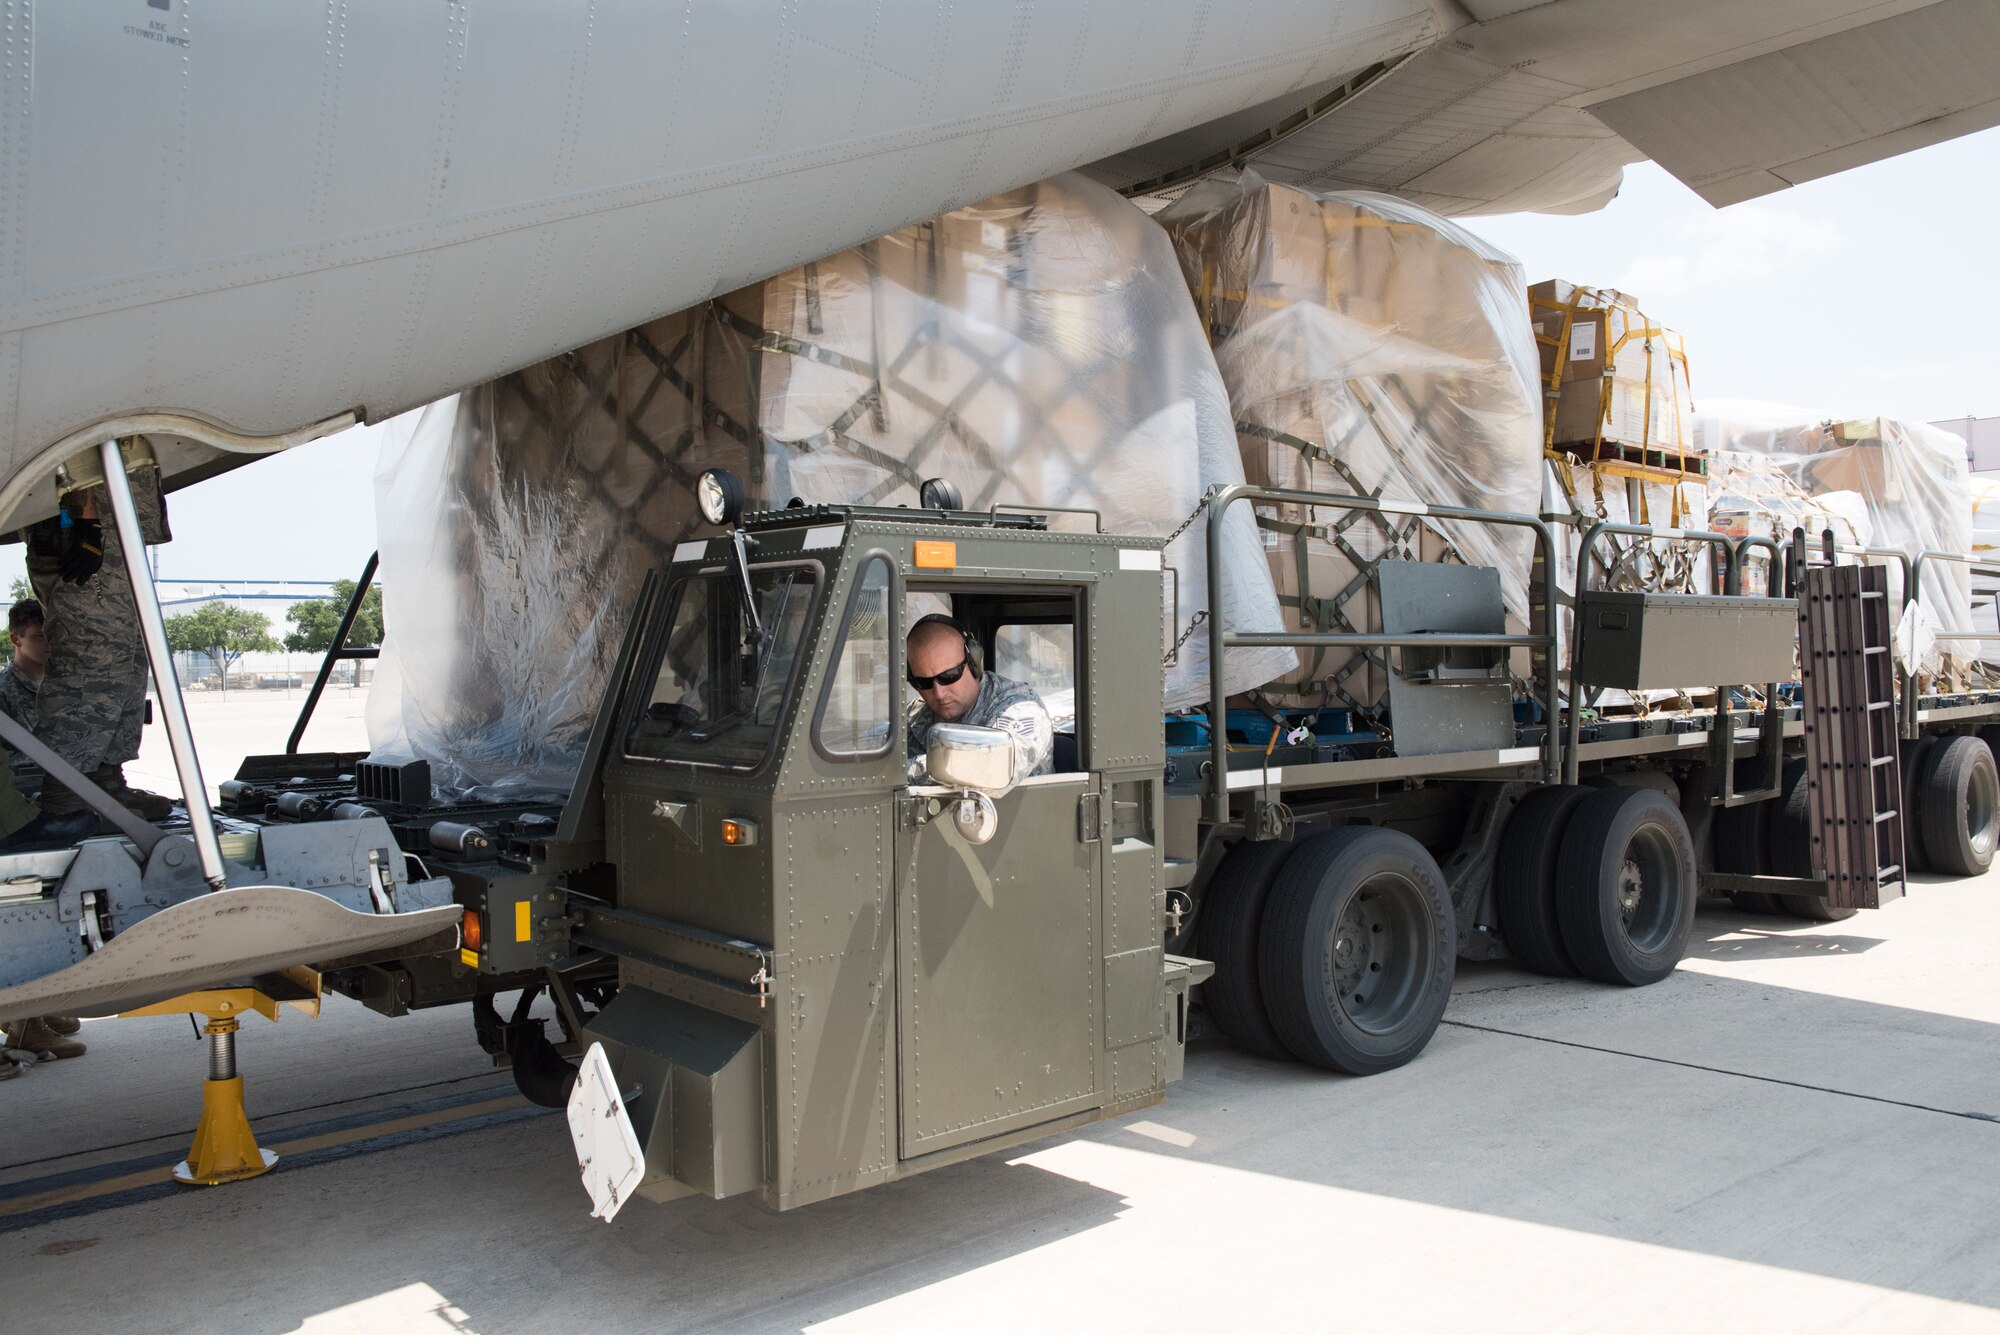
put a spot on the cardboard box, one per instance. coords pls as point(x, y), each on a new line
point(1620, 377)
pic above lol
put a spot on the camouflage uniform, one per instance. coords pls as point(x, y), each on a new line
point(1012, 706)
point(20, 698)
point(93, 698)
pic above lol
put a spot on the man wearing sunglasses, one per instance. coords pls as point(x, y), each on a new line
point(943, 662)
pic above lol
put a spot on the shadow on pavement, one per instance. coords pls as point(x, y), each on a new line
point(1708, 1114)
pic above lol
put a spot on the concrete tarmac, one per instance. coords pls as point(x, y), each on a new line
point(1794, 1132)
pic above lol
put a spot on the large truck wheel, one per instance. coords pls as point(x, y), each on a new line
point(1358, 950)
point(1739, 840)
point(1625, 886)
point(1958, 806)
point(1789, 840)
point(1231, 912)
point(1990, 734)
point(1524, 878)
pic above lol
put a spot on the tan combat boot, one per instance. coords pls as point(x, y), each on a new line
point(36, 1037)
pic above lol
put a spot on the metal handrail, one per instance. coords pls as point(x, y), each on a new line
point(1914, 589)
point(1731, 549)
point(1096, 516)
point(1732, 585)
point(336, 652)
point(1906, 722)
point(1216, 799)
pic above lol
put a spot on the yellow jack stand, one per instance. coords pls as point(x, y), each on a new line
point(225, 1149)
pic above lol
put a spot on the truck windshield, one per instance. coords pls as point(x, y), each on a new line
point(719, 687)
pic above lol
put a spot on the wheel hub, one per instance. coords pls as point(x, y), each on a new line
point(1631, 889)
point(1357, 942)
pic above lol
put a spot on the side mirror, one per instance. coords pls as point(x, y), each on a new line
point(979, 760)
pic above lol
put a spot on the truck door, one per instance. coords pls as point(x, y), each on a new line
point(999, 962)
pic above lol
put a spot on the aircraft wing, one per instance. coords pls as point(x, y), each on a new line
point(270, 220)
point(1538, 106)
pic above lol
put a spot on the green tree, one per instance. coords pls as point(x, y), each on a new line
point(224, 632)
point(319, 619)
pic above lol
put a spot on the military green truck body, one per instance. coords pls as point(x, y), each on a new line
point(852, 990)
point(788, 962)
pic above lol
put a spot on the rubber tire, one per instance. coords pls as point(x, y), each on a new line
point(1524, 875)
point(1312, 895)
point(1231, 912)
point(1990, 734)
point(1738, 839)
point(1957, 770)
point(1601, 830)
point(1911, 757)
point(1790, 842)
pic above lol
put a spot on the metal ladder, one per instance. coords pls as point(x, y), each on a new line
point(1853, 775)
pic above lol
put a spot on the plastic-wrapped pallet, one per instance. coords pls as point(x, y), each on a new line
point(1749, 494)
point(1035, 349)
point(1986, 546)
point(1912, 479)
point(1369, 347)
point(1613, 377)
point(516, 520)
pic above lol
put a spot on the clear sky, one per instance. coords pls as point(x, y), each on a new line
point(1875, 292)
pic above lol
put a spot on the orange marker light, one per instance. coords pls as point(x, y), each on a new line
point(472, 930)
point(937, 555)
point(738, 832)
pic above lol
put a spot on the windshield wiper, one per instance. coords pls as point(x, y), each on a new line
point(753, 628)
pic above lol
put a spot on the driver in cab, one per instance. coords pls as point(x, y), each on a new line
point(943, 661)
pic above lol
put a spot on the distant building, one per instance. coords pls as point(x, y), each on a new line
point(269, 596)
point(1982, 440)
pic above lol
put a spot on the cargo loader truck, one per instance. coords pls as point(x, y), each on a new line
point(786, 963)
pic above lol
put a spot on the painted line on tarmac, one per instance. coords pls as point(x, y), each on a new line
point(114, 1186)
point(1723, 1070)
point(141, 1162)
point(500, 1082)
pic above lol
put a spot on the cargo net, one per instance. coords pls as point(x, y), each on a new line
point(1375, 349)
point(1034, 349)
point(516, 523)
point(1346, 603)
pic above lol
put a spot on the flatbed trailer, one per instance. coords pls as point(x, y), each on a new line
point(782, 965)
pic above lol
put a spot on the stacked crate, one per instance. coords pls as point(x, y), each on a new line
point(1034, 349)
point(1618, 444)
point(1903, 485)
point(1369, 348)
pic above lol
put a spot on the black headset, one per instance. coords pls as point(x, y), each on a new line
point(975, 657)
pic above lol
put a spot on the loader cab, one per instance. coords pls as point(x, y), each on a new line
point(827, 978)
